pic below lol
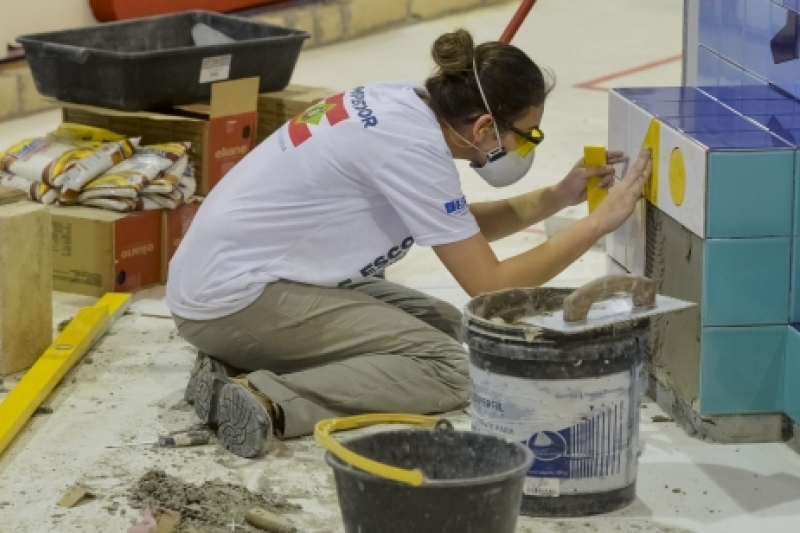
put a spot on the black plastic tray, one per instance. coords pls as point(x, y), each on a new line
point(153, 62)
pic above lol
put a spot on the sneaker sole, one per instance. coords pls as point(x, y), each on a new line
point(208, 382)
point(189, 393)
point(244, 425)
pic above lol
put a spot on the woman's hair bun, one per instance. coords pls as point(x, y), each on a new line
point(453, 52)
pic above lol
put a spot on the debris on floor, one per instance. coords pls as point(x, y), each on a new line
point(266, 521)
point(74, 496)
point(155, 520)
point(661, 419)
point(202, 507)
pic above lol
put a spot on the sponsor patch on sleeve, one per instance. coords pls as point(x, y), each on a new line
point(457, 207)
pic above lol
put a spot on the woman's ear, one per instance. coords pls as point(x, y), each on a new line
point(483, 129)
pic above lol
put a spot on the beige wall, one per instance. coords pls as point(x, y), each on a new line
point(18, 17)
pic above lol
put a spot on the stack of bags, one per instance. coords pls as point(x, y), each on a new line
point(82, 165)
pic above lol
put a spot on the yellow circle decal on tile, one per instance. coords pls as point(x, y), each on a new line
point(652, 140)
point(677, 177)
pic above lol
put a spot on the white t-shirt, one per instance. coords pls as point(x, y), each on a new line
point(335, 195)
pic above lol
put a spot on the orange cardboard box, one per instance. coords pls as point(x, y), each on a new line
point(97, 251)
point(175, 224)
point(221, 133)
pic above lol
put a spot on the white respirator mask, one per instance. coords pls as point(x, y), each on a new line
point(503, 168)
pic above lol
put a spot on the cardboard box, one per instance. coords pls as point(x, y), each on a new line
point(97, 251)
point(175, 224)
point(221, 133)
point(274, 109)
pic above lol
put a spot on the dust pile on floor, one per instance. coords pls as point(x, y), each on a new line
point(213, 504)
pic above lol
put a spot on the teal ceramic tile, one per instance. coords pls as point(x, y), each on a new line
point(750, 194)
point(791, 381)
point(797, 195)
point(794, 294)
point(742, 370)
point(746, 281)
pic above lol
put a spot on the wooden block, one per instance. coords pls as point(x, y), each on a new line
point(427, 9)
point(26, 285)
point(366, 16)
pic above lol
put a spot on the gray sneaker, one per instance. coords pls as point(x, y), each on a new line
point(207, 379)
point(244, 419)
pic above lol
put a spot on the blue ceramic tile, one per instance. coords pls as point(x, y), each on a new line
point(707, 67)
point(762, 107)
point(785, 127)
point(742, 370)
point(783, 48)
point(662, 94)
point(757, 35)
point(743, 92)
point(746, 281)
point(708, 23)
point(755, 139)
point(729, 74)
point(710, 124)
point(731, 31)
point(794, 5)
point(750, 194)
point(691, 108)
point(794, 293)
point(791, 382)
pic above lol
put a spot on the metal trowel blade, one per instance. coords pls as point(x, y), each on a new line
point(607, 313)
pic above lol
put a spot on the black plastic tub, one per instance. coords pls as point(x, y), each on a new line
point(473, 483)
point(154, 63)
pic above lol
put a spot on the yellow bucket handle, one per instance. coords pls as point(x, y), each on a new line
point(324, 428)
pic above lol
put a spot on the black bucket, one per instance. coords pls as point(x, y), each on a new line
point(574, 400)
point(473, 483)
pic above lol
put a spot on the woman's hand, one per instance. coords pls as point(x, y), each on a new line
point(621, 201)
point(572, 189)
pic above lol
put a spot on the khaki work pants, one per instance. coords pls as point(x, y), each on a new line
point(322, 352)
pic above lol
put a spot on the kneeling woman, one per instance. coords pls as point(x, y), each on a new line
point(277, 276)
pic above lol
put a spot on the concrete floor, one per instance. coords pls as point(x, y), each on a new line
point(130, 387)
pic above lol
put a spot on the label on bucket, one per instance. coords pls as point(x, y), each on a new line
point(541, 486)
point(583, 432)
point(215, 69)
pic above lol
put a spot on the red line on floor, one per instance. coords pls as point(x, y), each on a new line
point(591, 85)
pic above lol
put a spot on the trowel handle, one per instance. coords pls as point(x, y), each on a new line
point(577, 304)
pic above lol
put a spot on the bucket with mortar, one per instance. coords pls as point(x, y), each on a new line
point(428, 480)
point(559, 371)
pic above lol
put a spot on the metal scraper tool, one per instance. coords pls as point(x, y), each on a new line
point(605, 302)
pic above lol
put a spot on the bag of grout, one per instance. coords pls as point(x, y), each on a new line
point(36, 190)
point(168, 180)
point(187, 184)
point(93, 166)
point(129, 178)
point(43, 159)
point(121, 205)
point(76, 133)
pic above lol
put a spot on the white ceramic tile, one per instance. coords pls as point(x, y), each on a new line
point(691, 213)
point(628, 124)
point(635, 249)
point(617, 243)
point(618, 117)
